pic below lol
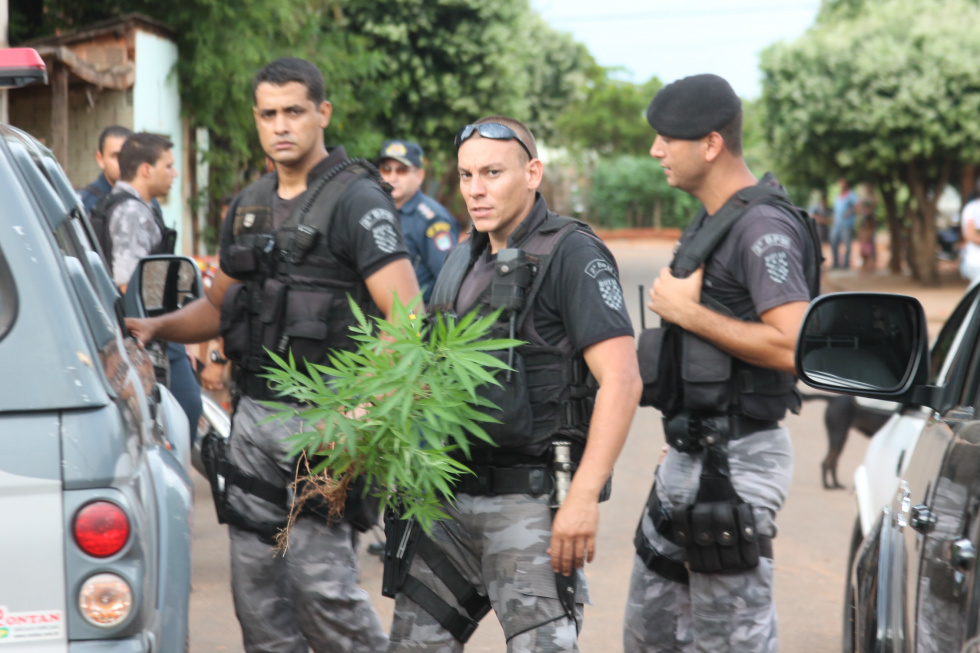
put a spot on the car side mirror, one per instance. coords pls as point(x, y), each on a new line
point(868, 344)
point(162, 284)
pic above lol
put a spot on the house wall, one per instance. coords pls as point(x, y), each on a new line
point(156, 108)
point(89, 112)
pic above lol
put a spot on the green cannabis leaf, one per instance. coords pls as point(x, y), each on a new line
point(395, 408)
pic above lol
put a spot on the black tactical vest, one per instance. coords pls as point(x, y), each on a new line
point(549, 395)
point(293, 295)
point(684, 373)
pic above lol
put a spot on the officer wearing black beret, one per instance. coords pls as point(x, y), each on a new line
point(731, 304)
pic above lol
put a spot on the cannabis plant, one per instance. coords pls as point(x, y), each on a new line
point(395, 409)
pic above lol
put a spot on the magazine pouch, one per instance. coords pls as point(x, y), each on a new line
point(718, 532)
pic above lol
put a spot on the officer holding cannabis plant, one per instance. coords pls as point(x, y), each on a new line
point(295, 245)
point(522, 526)
point(721, 370)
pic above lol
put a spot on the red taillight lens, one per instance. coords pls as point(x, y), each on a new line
point(101, 529)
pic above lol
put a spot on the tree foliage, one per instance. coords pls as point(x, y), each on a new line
point(607, 115)
point(890, 93)
point(632, 191)
point(411, 69)
point(395, 409)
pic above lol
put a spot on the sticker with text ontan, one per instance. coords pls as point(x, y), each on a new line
point(30, 626)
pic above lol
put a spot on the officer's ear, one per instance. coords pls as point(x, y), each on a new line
point(535, 172)
point(712, 146)
point(325, 110)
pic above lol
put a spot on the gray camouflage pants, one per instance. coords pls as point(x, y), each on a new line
point(716, 612)
point(308, 597)
point(498, 543)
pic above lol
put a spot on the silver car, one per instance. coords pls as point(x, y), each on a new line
point(95, 496)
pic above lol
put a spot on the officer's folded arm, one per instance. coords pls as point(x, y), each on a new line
point(770, 343)
point(613, 363)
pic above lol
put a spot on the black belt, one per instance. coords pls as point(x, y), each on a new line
point(488, 481)
point(257, 388)
point(745, 426)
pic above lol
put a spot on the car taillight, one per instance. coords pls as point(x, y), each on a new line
point(105, 600)
point(101, 528)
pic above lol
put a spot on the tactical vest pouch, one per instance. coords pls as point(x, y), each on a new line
point(718, 536)
point(241, 260)
point(705, 371)
point(658, 354)
point(513, 400)
point(718, 532)
point(304, 325)
point(168, 241)
point(234, 321)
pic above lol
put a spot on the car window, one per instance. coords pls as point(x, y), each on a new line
point(950, 339)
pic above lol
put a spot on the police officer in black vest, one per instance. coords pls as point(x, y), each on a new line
point(720, 368)
point(523, 525)
point(294, 246)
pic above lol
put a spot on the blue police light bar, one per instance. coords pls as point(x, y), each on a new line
point(21, 67)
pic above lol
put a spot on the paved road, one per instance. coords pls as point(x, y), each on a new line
point(810, 551)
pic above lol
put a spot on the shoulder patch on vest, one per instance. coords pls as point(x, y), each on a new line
point(439, 233)
point(777, 265)
point(426, 210)
point(768, 241)
point(374, 216)
point(385, 236)
point(611, 292)
point(596, 266)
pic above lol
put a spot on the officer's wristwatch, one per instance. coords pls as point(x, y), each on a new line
point(216, 357)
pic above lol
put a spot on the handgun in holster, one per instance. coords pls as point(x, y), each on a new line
point(401, 540)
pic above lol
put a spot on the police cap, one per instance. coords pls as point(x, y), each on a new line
point(402, 151)
point(693, 107)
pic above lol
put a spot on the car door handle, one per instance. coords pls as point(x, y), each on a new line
point(922, 519)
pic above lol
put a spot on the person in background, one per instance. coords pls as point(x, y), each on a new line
point(842, 229)
point(107, 157)
point(430, 231)
point(970, 228)
point(867, 226)
point(136, 229)
point(820, 211)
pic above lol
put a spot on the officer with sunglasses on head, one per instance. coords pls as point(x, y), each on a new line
point(429, 229)
point(522, 526)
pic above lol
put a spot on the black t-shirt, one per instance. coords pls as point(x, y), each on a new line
point(759, 265)
point(581, 298)
point(365, 233)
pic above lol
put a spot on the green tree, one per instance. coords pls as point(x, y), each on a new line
point(407, 68)
point(608, 114)
point(891, 94)
point(632, 191)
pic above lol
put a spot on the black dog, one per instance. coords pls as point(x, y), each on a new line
point(844, 413)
